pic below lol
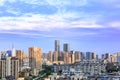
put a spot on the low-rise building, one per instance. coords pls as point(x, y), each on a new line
point(87, 68)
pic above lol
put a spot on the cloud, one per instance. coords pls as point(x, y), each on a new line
point(45, 22)
point(115, 24)
point(30, 15)
point(25, 33)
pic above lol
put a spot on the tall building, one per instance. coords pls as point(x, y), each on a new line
point(35, 59)
point(50, 58)
point(55, 57)
point(15, 67)
point(107, 56)
point(13, 51)
point(9, 67)
point(66, 47)
point(88, 55)
point(77, 56)
point(57, 45)
point(94, 55)
point(82, 56)
point(72, 56)
point(57, 49)
point(9, 52)
point(21, 56)
point(4, 55)
point(67, 58)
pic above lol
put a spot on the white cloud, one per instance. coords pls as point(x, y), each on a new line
point(35, 35)
point(115, 24)
point(39, 22)
point(45, 22)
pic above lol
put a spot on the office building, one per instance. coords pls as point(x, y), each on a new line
point(55, 56)
point(35, 59)
point(4, 55)
point(67, 58)
point(83, 55)
point(107, 56)
point(72, 56)
point(21, 56)
point(57, 45)
point(94, 55)
point(57, 49)
point(9, 67)
point(13, 52)
point(50, 56)
point(89, 55)
point(66, 47)
point(9, 52)
point(77, 56)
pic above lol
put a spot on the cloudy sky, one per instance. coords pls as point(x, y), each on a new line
point(87, 25)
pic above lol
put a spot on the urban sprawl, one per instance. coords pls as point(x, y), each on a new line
point(59, 64)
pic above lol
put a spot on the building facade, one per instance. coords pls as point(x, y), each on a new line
point(9, 67)
point(66, 47)
point(87, 67)
point(35, 59)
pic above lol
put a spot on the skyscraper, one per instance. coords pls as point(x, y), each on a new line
point(57, 45)
point(9, 66)
point(55, 56)
point(57, 49)
point(13, 51)
point(20, 55)
point(77, 56)
point(35, 59)
point(66, 47)
point(9, 52)
point(94, 55)
point(72, 56)
point(50, 58)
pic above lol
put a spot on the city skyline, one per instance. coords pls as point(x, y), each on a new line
point(87, 25)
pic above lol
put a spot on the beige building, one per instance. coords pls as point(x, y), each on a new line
point(50, 58)
point(77, 56)
point(35, 59)
point(55, 57)
point(21, 56)
point(72, 58)
point(67, 58)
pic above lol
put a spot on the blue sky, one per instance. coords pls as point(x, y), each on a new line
point(87, 25)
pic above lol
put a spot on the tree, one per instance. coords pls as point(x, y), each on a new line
point(60, 72)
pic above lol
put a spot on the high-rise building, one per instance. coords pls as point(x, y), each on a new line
point(15, 67)
point(66, 47)
point(67, 58)
point(57, 49)
point(4, 55)
point(13, 51)
point(9, 52)
point(57, 45)
point(83, 56)
point(107, 55)
point(50, 58)
point(94, 55)
point(55, 57)
point(88, 55)
point(35, 59)
point(72, 56)
point(21, 56)
point(9, 66)
point(77, 56)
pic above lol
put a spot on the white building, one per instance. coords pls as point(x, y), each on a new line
point(87, 68)
point(9, 67)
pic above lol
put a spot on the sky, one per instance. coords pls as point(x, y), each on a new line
point(87, 25)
